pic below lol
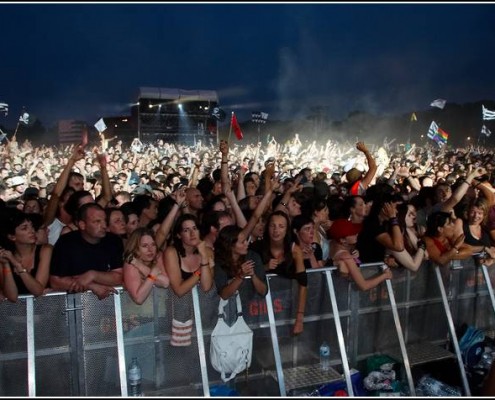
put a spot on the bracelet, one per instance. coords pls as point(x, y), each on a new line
point(224, 162)
point(393, 221)
point(284, 204)
point(7, 269)
point(197, 273)
point(151, 277)
point(22, 271)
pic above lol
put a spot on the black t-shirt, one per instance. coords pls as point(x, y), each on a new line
point(72, 255)
point(370, 250)
point(471, 240)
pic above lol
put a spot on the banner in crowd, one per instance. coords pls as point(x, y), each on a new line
point(100, 125)
point(413, 117)
point(433, 129)
point(437, 134)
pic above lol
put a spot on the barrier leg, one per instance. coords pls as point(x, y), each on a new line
point(488, 283)
point(340, 335)
point(119, 326)
point(274, 337)
point(201, 343)
point(453, 335)
point(30, 346)
point(398, 328)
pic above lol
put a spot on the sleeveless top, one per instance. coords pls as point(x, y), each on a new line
point(21, 287)
point(484, 240)
point(184, 274)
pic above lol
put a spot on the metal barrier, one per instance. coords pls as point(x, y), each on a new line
point(76, 345)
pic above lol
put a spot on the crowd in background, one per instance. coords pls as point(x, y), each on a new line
point(146, 215)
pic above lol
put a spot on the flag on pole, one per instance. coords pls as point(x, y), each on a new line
point(440, 103)
point(4, 107)
point(487, 114)
point(27, 119)
point(259, 117)
point(100, 125)
point(413, 117)
point(235, 126)
point(444, 136)
point(432, 130)
point(218, 114)
point(485, 131)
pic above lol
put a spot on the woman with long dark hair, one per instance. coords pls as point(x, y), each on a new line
point(25, 265)
point(234, 262)
point(281, 256)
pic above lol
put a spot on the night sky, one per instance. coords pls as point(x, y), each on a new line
point(84, 61)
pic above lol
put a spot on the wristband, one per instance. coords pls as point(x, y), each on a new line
point(224, 162)
point(421, 245)
point(22, 271)
point(197, 273)
point(7, 269)
point(151, 277)
point(204, 265)
point(393, 221)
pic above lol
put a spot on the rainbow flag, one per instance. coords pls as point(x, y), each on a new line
point(444, 136)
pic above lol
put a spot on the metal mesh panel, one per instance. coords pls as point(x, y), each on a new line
point(86, 364)
point(13, 349)
point(52, 346)
point(100, 346)
point(376, 332)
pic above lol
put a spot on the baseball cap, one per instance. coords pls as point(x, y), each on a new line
point(342, 228)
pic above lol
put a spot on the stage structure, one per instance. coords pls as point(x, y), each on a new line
point(176, 115)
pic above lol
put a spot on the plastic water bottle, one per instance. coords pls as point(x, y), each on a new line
point(325, 356)
point(134, 375)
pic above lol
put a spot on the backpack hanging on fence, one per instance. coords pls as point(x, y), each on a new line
point(472, 345)
point(231, 347)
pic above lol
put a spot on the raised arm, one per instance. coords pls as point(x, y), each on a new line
point(105, 181)
point(63, 179)
point(372, 167)
point(167, 224)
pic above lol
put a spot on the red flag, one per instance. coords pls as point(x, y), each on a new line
point(237, 129)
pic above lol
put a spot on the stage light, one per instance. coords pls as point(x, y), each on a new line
point(180, 106)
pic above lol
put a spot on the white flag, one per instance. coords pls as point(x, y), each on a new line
point(100, 125)
point(440, 103)
point(264, 116)
point(487, 114)
point(4, 107)
point(432, 130)
point(485, 131)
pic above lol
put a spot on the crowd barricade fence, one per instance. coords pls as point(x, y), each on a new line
point(64, 344)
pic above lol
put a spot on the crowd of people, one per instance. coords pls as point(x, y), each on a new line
point(222, 216)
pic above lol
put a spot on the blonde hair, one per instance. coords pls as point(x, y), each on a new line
point(132, 245)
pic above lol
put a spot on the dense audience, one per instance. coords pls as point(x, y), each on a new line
point(158, 214)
